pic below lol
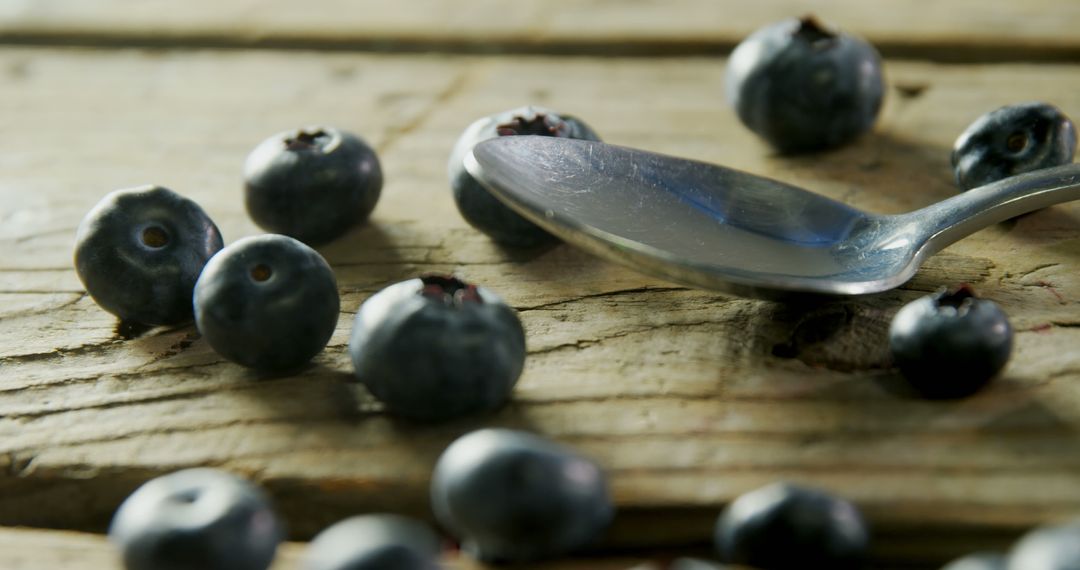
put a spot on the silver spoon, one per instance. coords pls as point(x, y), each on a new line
point(717, 228)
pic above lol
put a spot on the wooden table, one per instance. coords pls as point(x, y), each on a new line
point(686, 397)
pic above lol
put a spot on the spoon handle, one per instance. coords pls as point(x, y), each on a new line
point(962, 215)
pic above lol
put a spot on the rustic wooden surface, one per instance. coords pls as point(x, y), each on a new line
point(28, 549)
point(686, 397)
point(954, 30)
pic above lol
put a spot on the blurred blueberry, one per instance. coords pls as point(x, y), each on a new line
point(1047, 548)
point(196, 519)
point(1013, 140)
point(784, 526)
point(803, 86)
point(375, 542)
point(978, 561)
point(513, 496)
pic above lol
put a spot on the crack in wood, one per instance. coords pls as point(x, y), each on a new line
point(452, 89)
point(582, 344)
point(616, 293)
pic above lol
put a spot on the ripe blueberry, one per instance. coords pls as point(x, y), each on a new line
point(1012, 140)
point(513, 496)
point(375, 542)
point(482, 210)
point(196, 519)
point(978, 561)
point(267, 302)
point(1047, 548)
point(784, 526)
point(139, 251)
point(312, 184)
point(436, 348)
point(802, 86)
point(950, 344)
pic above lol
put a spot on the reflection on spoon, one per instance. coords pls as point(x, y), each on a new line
point(717, 228)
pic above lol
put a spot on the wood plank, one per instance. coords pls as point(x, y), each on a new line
point(961, 29)
point(29, 549)
point(686, 397)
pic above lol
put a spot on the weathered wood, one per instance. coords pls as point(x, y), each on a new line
point(27, 549)
point(687, 398)
point(960, 29)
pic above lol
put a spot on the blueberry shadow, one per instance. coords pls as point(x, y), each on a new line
point(882, 172)
point(370, 243)
point(839, 335)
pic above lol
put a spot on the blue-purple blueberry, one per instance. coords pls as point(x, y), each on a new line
point(267, 302)
point(478, 206)
point(1012, 140)
point(784, 526)
point(951, 343)
point(375, 542)
point(978, 561)
point(803, 86)
point(1047, 548)
point(139, 252)
point(512, 496)
point(312, 184)
point(436, 348)
point(196, 519)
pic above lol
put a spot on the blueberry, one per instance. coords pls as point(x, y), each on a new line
point(513, 496)
point(783, 526)
point(951, 343)
point(196, 519)
point(436, 348)
point(482, 210)
point(312, 184)
point(139, 252)
point(1012, 140)
point(802, 86)
point(1047, 548)
point(267, 302)
point(978, 561)
point(375, 542)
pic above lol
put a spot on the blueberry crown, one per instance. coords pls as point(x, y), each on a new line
point(544, 124)
point(450, 290)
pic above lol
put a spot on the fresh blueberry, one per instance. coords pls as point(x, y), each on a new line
point(1012, 140)
point(513, 496)
point(196, 519)
point(139, 252)
point(802, 86)
point(375, 542)
point(951, 343)
point(482, 210)
point(312, 184)
point(436, 348)
point(267, 302)
point(783, 526)
point(1047, 548)
point(978, 561)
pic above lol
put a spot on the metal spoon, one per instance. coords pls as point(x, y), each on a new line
point(717, 228)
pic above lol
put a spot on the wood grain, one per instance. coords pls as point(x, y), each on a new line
point(956, 30)
point(28, 549)
point(687, 398)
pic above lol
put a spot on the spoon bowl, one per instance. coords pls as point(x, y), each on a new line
point(721, 229)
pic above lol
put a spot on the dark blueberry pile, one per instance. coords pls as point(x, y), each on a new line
point(437, 348)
